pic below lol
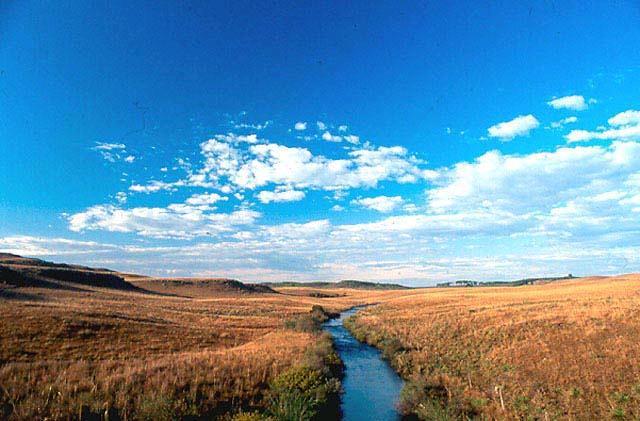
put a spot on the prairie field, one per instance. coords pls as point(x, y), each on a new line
point(562, 350)
point(73, 350)
point(82, 343)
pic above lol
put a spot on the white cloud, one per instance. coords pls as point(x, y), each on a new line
point(280, 196)
point(101, 146)
point(577, 208)
point(301, 125)
point(631, 132)
point(174, 221)
point(296, 231)
point(331, 138)
point(296, 257)
point(25, 245)
point(410, 208)
point(295, 167)
point(383, 204)
point(343, 128)
point(111, 152)
point(129, 159)
point(337, 208)
point(205, 199)
point(353, 139)
point(321, 125)
point(155, 186)
point(562, 122)
point(626, 118)
point(571, 190)
point(571, 102)
point(121, 197)
point(236, 138)
point(421, 225)
point(623, 126)
point(519, 126)
point(252, 126)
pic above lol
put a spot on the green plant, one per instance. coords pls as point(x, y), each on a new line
point(250, 416)
point(293, 406)
point(155, 407)
point(301, 393)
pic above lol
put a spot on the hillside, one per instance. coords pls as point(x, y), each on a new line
point(24, 272)
point(200, 287)
point(17, 271)
point(516, 283)
point(346, 284)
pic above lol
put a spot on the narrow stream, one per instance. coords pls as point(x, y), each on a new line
point(371, 387)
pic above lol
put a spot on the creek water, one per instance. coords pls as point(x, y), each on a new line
point(371, 387)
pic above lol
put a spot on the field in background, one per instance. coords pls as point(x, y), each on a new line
point(564, 350)
point(194, 349)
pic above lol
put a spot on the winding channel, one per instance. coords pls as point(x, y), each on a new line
point(371, 387)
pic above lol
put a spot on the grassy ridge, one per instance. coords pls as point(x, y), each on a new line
point(565, 350)
point(346, 284)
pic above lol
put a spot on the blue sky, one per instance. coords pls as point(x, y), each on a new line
point(396, 141)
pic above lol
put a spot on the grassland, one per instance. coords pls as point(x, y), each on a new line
point(69, 349)
point(77, 343)
point(563, 350)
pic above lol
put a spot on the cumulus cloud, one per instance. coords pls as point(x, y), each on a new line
point(237, 138)
point(301, 125)
point(562, 122)
point(579, 206)
point(519, 126)
point(26, 245)
point(285, 195)
point(156, 186)
point(382, 204)
point(271, 163)
point(569, 190)
point(121, 197)
point(353, 139)
point(575, 199)
point(205, 199)
point(626, 118)
point(173, 221)
point(296, 231)
point(570, 102)
point(622, 126)
point(331, 138)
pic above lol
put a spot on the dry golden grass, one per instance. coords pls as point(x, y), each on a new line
point(137, 354)
point(566, 350)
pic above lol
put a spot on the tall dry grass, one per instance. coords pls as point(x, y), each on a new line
point(130, 355)
point(567, 350)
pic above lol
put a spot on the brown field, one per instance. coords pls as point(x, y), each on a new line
point(69, 347)
point(565, 350)
point(151, 348)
